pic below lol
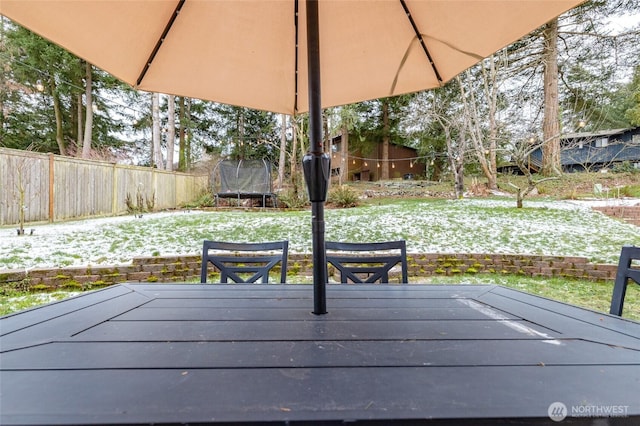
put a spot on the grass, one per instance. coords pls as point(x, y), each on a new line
point(486, 225)
point(14, 301)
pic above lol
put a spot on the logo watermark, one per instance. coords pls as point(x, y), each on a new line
point(558, 411)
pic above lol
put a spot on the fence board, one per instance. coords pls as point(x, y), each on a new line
point(85, 188)
point(27, 175)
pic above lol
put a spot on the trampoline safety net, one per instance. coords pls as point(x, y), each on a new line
point(243, 179)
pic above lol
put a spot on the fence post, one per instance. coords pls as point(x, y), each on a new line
point(51, 186)
point(114, 191)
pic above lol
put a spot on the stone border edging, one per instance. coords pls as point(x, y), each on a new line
point(187, 268)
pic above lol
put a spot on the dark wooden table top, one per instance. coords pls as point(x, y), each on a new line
point(199, 354)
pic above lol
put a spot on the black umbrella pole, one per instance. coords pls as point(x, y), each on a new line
point(316, 164)
point(316, 168)
point(319, 259)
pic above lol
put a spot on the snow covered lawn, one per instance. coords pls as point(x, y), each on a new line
point(560, 228)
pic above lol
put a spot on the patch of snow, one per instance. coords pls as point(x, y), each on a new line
point(558, 228)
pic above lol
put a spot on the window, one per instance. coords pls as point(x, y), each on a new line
point(635, 139)
point(602, 142)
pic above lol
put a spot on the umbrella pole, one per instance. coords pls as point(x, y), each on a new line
point(316, 164)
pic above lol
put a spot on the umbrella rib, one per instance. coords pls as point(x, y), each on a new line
point(296, 71)
point(155, 50)
point(422, 42)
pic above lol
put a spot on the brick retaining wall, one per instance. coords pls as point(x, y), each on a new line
point(629, 214)
point(187, 268)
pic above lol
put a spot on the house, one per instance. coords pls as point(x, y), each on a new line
point(402, 163)
point(592, 151)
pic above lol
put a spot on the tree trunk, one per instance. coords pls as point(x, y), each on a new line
point(171, 130)
point(455, 153)
point(519, 199)
point(88, 122)
point(385, 140)
point(325, 133)
point(58, 115)
point(78, 135)
point(551, 124)
point(344, 153)
point(188, 136)
point(156, 154)
point(283, 152)
point(181, 137)
point(459, 172)
point(492, 94)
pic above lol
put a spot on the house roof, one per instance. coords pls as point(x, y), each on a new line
point(598, 133)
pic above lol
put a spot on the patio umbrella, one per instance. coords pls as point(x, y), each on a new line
point(279, 55)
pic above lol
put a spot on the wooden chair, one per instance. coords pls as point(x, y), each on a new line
point(625, 272)
point(372, 267)
point(233, 262)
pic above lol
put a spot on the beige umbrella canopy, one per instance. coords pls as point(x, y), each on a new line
point(279, 55)
point(253, 53)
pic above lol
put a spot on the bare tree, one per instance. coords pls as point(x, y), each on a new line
point(385, 140)
point(171, 130)
point(456, 148)
point(23, 186)
point(283, 151)
point(520, 154)
point(481, 114)
point(156, 153)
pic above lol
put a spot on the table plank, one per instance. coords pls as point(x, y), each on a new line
point(285, 313)
point(305, 303)
point(305, 291)
point(284, 395)
point(313, 329)
point(75, 354)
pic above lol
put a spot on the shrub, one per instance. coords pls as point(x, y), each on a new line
point(630, 191)
point(293, 199)
point(141, 203)
point(624, 167)
point(343, 196)
point(205, 199)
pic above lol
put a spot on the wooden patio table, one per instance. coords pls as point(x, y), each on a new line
point(204, 354)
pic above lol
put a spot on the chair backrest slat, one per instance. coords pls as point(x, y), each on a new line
point(234, 267)
point(626, 271)
point(368, 264)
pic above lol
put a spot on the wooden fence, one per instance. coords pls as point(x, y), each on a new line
point(54, 188)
